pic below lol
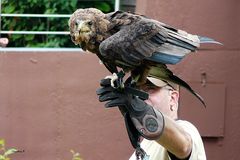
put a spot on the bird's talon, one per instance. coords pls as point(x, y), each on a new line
point(112, 78)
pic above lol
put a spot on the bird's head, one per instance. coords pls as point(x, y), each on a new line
point(86, 24)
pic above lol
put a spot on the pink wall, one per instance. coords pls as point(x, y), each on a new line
point(48, 106)
point(219, 19)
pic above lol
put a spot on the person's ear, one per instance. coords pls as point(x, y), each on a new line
point(174, 100)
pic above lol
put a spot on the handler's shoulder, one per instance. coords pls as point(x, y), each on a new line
point(187, 126)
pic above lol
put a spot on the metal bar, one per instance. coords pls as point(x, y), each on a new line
point(0, 17)
point(37, 15)
point(117, 5)
point(36, 32)
point(40, 50)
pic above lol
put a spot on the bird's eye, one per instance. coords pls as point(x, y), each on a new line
point(76, 23)
point(90, 23)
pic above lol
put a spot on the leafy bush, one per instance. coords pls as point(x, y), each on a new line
point(5, 153)
point(44, 24)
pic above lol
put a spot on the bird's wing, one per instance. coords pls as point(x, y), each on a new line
point(179, 43)
point(133, 43)
point(148, 39)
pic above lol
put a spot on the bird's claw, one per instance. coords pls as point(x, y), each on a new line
point(116, 80)
point(113, 78)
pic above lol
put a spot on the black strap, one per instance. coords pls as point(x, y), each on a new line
point(129, 87)
point(173, 157)
point(141, 94)
point(134, 137)
point(133, 133)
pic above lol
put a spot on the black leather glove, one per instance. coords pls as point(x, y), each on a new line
point(148, 121)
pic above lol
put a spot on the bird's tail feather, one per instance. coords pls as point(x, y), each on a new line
point(161, 71)
point(208, 40)
point(180, 82)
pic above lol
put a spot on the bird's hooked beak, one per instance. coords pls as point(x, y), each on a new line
point(83, 26)
point(82, 31)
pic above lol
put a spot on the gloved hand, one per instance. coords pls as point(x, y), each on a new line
point(148, 121)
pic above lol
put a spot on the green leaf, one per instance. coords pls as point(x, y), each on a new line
point(8, 9)
point(10, 151)
point(16, 36)
point(103, 7)
point(29, 37)
point(2, 157)
point(41, 27)
point(75, 155)
point(50, 11)
point(74, 3)
point(2, 142)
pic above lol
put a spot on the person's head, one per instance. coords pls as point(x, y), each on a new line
point(163, 96)
point(3, 42)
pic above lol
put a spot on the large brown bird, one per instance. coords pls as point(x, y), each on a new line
point(134, 43)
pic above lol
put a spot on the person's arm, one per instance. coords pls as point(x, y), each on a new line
point(175, 139)
point(150, 123)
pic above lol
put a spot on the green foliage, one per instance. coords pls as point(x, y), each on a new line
point(44, 24)
point(75, 155)
point(5, 153)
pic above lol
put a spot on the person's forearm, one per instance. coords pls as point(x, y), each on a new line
point(175, 139)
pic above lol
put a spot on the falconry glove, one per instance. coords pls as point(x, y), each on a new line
point(148, 121)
